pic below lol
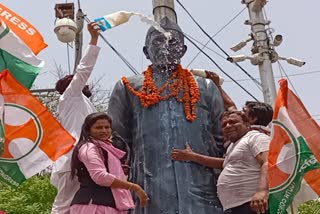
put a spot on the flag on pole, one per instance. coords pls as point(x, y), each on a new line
point(34, 139)
point(294, 154)
point(23, 29)
point(17, 57)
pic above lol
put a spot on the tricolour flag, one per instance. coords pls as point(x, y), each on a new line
point(17, 57)
point(294, 154)
point(34, 139)
point(23, 29)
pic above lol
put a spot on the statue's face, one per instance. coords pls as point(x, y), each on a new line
point(163, 51)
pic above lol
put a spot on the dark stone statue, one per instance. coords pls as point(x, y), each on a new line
point(153, 131)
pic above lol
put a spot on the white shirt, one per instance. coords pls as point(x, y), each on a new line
point(74, 106)
point(240, 176)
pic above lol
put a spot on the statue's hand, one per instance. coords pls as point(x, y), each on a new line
point(182, 155)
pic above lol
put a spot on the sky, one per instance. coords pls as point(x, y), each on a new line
point(296, 21)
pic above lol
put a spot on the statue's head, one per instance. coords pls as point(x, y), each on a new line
point(163, 51)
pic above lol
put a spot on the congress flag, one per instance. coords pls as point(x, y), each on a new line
point(294, 154)
point(33, 137)
point(23, 29)
point(17, 57)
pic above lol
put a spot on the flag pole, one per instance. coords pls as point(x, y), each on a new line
point(291, 208)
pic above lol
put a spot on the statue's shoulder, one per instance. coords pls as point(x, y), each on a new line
point(136, 80)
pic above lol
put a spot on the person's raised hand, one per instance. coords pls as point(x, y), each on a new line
point(94, 31)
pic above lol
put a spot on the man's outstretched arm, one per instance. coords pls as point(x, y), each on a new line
point(188, 155)
point(86, 65)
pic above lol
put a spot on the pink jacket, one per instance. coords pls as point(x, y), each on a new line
point(93, 159)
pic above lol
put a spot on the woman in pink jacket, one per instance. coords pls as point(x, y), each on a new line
point(96, 162)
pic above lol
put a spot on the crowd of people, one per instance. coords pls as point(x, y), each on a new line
point(192, 155)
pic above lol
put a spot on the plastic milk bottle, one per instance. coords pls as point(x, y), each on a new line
point(113, 19)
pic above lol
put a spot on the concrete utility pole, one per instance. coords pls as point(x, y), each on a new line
point(162, 8)
point(79, 37)
point(262, 45)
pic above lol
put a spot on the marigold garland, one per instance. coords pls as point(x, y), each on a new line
point(180, 80)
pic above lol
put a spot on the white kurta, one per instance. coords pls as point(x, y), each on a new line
point(73, 108)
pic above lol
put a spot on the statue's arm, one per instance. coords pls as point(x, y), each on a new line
point(120, 110)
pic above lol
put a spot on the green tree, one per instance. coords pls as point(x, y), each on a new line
point(35, 196)
point(310, 207)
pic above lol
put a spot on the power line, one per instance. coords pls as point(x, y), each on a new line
point(114, 50)
point(209, 49)
point(281, 68)
point(204, 46)
point(193, 19)
point(68, 57)
point(277, 77)
point(214, 35)
point(220, 68)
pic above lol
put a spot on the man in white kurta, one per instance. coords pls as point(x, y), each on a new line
point(73, 107)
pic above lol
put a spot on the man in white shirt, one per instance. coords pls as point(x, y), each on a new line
point(74, 105)
point(242, 185)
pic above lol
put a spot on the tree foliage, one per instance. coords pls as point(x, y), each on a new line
point(310, 207)
point(35, 195)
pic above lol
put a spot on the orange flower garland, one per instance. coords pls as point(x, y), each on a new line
point(181, 80)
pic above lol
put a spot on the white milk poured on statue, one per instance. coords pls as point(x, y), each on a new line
point(114, 19)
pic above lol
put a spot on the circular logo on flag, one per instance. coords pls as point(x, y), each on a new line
point(282, 156)
point(23, 132)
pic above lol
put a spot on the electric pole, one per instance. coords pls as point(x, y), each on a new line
point(261, 44)
point(162, 8)
point(79, 37)
point(263, 49)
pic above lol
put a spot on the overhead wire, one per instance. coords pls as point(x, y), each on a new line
point(220, 67)
point(68, 59)
point(114, 49)
point(290, 82)
point(214, 35)
point(211, 39)
point(208, 49)
point(203, 47)
point(276, 77)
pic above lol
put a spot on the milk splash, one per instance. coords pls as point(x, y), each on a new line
point(170, 49)
point(154, 24)
point(114, 19)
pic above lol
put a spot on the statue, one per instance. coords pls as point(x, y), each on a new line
point(165, 108)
